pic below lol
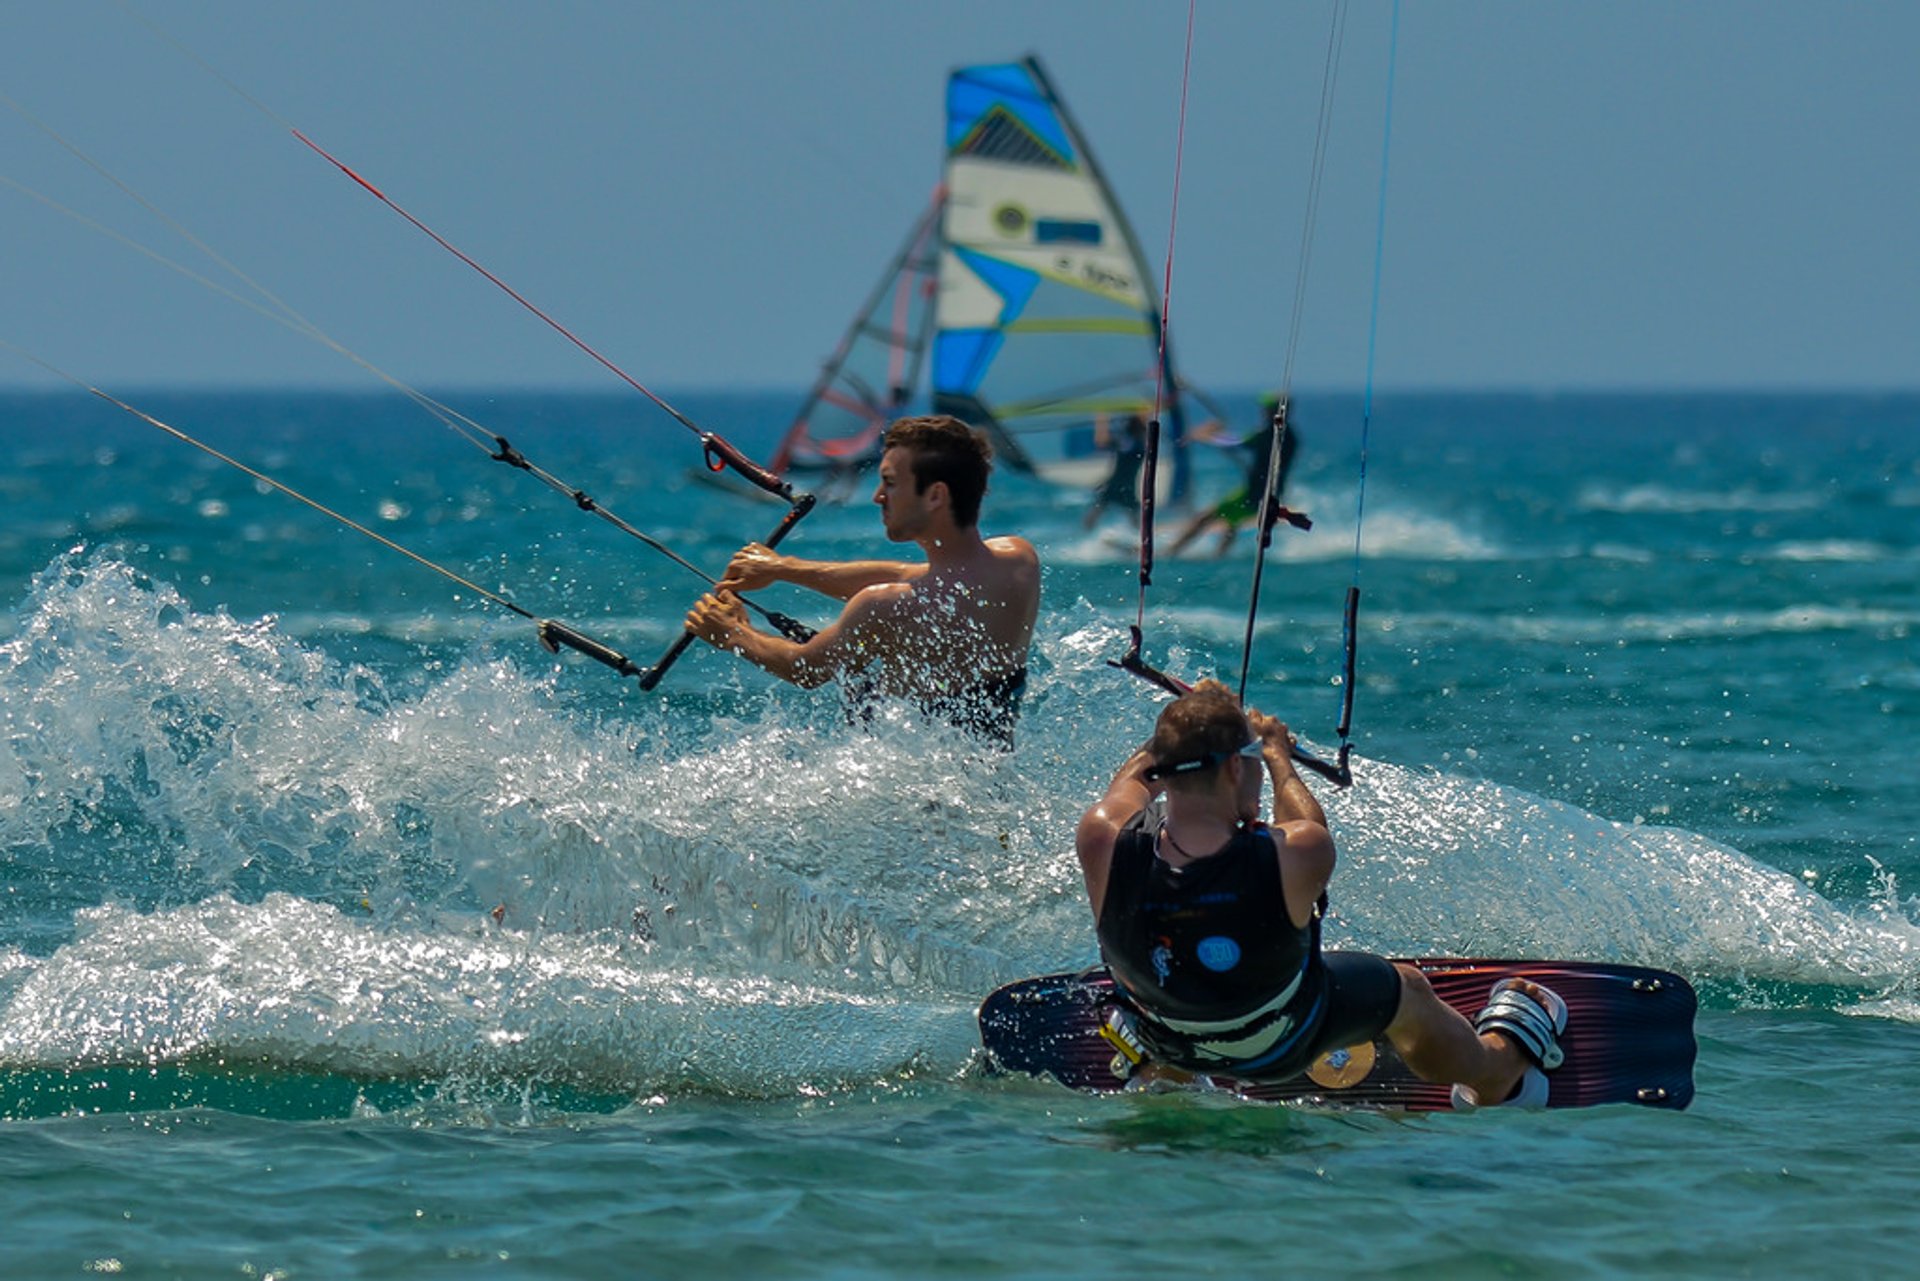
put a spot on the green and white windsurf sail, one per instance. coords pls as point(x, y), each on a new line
point(1048, 319)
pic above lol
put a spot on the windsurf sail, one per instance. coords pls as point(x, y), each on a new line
point(875, 371)
point(1048, 318)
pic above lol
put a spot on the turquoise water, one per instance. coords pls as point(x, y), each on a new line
point(1639, 681)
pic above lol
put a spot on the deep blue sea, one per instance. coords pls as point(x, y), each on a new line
point(345, 932)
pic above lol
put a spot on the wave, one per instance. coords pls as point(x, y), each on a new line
point(1860, 551)
point(1433, 861)
point(1731, 624)
point(1831, 549)
point(235, 845)
point(226, 846)
point(1657, 499)
point(1389, 533)
point(304, 986)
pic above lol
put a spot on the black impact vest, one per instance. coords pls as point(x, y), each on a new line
point(1207, 952)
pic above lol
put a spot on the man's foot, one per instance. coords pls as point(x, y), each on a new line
point(1531, 1018)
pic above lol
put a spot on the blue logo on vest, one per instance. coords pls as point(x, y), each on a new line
point(1218, 953)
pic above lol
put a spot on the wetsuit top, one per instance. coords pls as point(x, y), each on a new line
point(1243, 504)
point(1123, 482)
point(986, 708)
point(1259, 447)
point(1208, 954)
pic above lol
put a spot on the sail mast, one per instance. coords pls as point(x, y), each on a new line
point(875, 369)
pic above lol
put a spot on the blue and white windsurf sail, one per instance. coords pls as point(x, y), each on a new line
point(1048, 318)
point(875, 371)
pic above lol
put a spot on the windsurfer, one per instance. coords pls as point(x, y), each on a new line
point(1243, 504)
point(1122, 486)
point(950, 635)
point(1209, 921)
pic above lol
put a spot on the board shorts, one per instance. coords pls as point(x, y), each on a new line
point(1237, 508)
point(1359, 996)
point(1363, 996)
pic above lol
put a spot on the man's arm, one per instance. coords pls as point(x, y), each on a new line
point(1293, 800)
point(1307, 853)
point(1126, 796)
point(851, 640)
point(756, 565)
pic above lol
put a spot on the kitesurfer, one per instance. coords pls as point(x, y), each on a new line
point(950, 635)
point(1243, 504)
point(1209, 921)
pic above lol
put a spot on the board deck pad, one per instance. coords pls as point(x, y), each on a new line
point(1629, 1037)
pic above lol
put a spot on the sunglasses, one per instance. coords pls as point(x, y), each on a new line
point(1251, 751)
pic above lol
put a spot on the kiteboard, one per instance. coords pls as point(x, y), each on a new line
point(1629, 1038)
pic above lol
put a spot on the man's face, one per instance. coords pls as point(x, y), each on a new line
point(903, 511)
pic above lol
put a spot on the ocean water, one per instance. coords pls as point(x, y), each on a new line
point(344, 932)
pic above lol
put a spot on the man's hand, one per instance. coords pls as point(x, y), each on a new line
point(1293, 800)
point(752, 567)
point(717, 618)
point(1271, 732)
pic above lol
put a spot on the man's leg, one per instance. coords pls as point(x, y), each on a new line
point(1191, 532)
point(1439, 1044)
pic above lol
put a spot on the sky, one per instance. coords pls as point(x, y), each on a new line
point(1629, 195)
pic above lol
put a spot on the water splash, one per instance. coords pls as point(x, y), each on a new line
point(1444, 864)
point(279, 857)
point(221, 842)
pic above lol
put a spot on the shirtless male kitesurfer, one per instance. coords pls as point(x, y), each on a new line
point(950, 635)
point(1209, 921)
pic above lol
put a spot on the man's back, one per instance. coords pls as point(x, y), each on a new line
point(962, 624)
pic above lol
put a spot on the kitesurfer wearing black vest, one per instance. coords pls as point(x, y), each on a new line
point(1243, 504)
point(949, 636)
point(1209, 921)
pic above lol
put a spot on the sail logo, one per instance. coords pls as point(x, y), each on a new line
point(1093, 274)
point(1066, 231)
